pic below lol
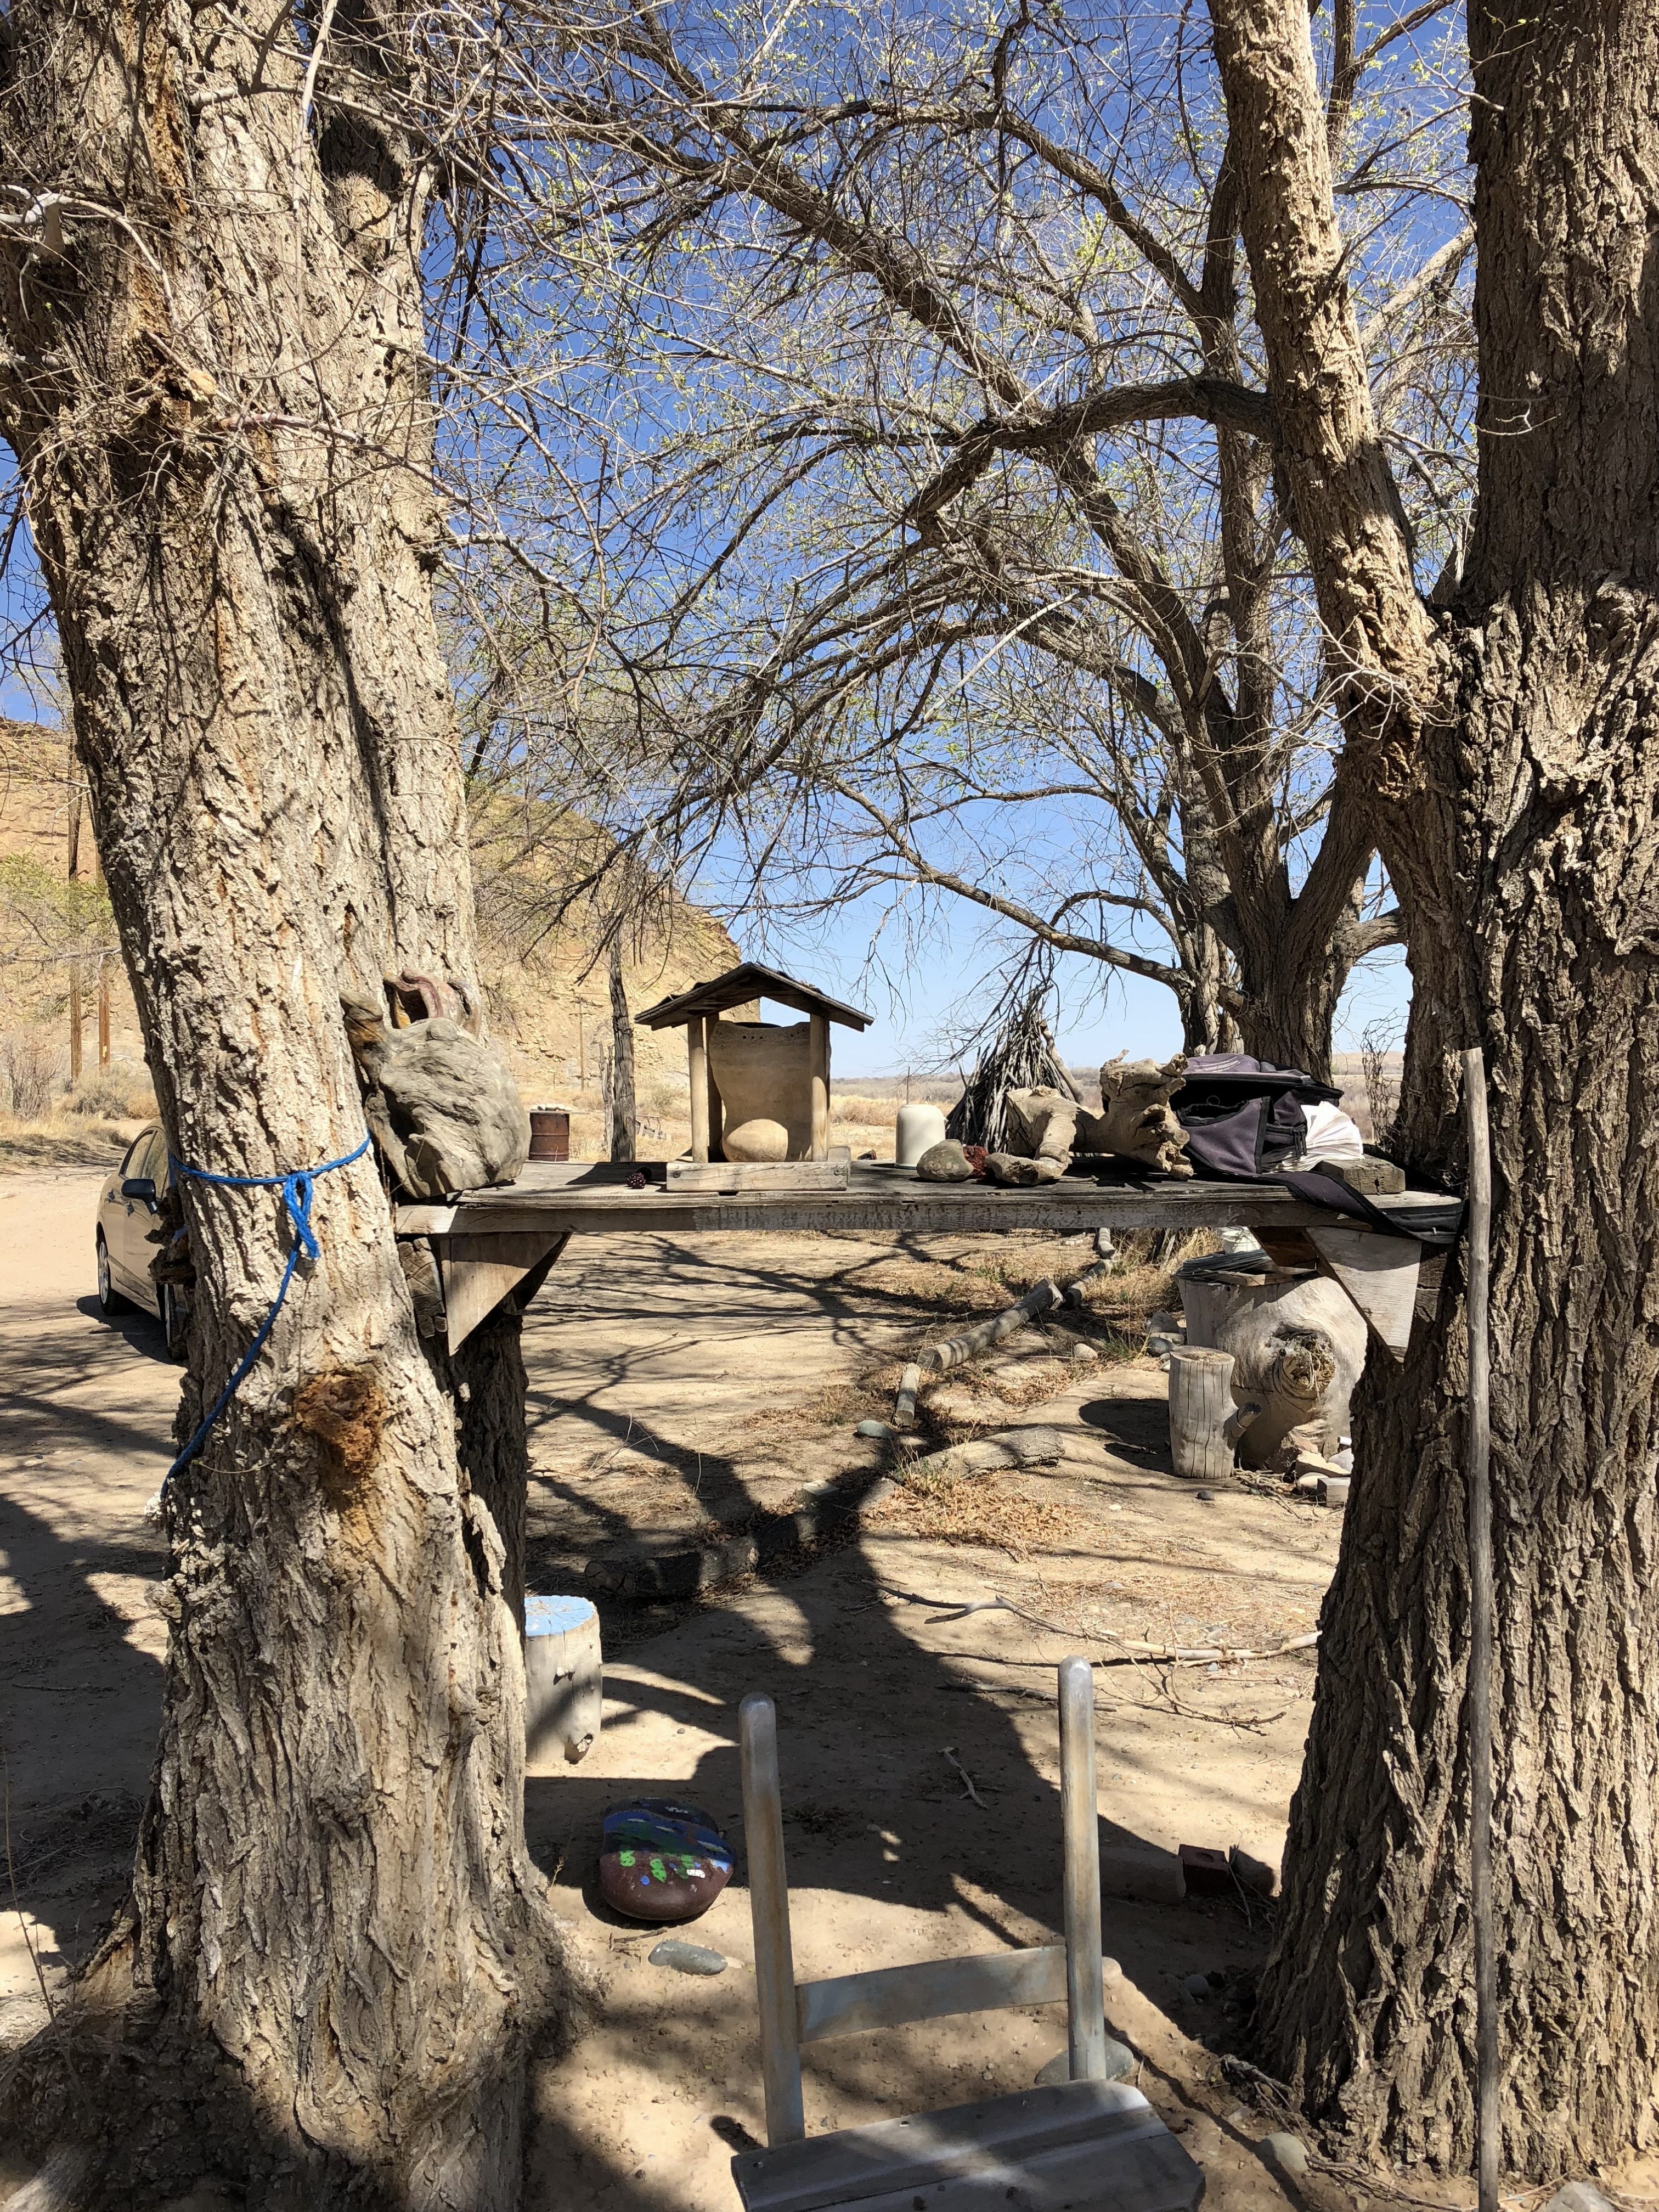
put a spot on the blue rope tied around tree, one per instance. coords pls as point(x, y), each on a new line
point(296, 1188)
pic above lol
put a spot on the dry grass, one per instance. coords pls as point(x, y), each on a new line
point(64, 1140)
point(987, 1510)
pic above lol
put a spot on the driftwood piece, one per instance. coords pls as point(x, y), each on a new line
point(1131, 1649)
point(1298, 1348)
point(1136, 1121)
point(1042, 1124)
point(987, 1455)
point(1201, 1401)
point(1018, 1170)
point(941, 1358)
point(904, 1405)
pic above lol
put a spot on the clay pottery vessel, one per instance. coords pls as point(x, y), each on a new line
point(763, 1074)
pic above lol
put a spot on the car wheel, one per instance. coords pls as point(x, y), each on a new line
point(110, 1301)
point(175, 1319)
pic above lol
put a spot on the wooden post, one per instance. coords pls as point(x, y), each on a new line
point(696, 1059)
point(103, 1016)
point(1477, 1471)
point(716, 1113)
point(768, 1905)
point(1079, 1814)
point(817, 1050)
point(1201, 1406)
point(74, 1024)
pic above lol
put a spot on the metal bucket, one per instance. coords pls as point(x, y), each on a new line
point(549, 1132)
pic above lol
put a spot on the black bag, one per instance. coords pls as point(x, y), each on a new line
point(1244, 1116)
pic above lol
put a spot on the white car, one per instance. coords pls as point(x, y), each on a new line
point(128, 1208)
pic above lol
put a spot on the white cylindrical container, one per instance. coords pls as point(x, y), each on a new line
point(921, 1127)
point(564, 1687)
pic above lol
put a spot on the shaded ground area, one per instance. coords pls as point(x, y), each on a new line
point(675, 1385)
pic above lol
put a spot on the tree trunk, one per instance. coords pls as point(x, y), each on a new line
point(624, 1111)
point(1515, 763)
point(214, 395)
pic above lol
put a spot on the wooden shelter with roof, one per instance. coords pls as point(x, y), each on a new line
point(743, 985)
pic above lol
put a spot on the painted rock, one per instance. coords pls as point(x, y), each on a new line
point(660, 1860)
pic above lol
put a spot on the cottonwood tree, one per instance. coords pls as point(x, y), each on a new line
point(1510, 746)
point(936, 523)
point(212, 225)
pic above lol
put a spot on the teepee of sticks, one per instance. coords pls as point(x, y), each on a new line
point(1021, 1057)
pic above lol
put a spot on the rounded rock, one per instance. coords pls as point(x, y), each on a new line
point(944, 1162)
point(686, 1958)
point(1120, 2064)
point(1287, 2152)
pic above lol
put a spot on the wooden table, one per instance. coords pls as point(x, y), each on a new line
point(489, 1242)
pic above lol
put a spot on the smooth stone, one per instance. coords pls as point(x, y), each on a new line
point(1120, 2065)
point(1196, 1986)
point(878, 1431)
point(944, 1163)
point(1288, 2153)
point(1579, 2197)
point(686, 1958)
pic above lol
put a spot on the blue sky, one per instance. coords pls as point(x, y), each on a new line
point(916, 1009)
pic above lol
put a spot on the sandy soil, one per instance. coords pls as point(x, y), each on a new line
point(676, 1383)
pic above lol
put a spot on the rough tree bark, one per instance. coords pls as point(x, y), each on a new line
point(623, 1113)
point(1512, 749)
point(212, 312)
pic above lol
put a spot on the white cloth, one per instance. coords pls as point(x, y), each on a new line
point(1332, 1134)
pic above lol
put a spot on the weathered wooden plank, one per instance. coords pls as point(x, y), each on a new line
point(1379, 1273)
point(784, 1178)
point(768, 1908)
point(924, 1210)
point(817, 1053)
point(930, 1988)
point(1080, 1815)
point(479, 1272)
point(697, 1071)
point(1079, 2145)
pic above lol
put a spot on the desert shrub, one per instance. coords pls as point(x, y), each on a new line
point(122, 1092)
point(31, 1069)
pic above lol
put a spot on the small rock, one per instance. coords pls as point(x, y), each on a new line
point(1120, 2065)
point(1205, 1497)
point(1579, 2197)
point(1196, 1986)
point(686, 1958)
point(944, 1162)
point(878, 1432)
point(1253, 1874)
point(1288, 2153)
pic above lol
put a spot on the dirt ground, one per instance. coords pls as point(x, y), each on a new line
point(675, 1385)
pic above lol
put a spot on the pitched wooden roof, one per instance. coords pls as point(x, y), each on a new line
point(737, 987)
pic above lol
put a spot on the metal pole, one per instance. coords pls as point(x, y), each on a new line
point(1079, 1814)
point(768, 1906)
point(1478, 1484)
